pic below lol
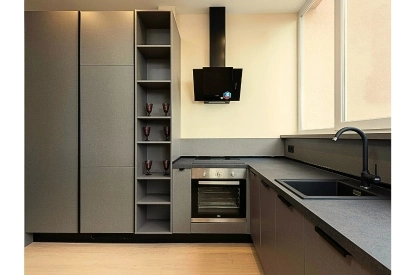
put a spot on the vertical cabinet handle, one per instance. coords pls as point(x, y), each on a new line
point(287, 203)
point(332, 242)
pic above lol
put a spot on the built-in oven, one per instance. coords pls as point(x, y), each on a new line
point(218, 195)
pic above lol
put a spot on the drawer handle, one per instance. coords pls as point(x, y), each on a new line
point(265, 184)
point(332, 242)
point(287, 203)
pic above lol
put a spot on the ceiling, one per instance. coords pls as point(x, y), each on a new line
point(181, 6)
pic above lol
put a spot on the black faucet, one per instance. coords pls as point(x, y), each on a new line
point(365, 177)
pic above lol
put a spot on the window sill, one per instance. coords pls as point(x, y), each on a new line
point(383, 136)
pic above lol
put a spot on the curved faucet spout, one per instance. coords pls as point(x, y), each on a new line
point(365, 177)
point(364, 140)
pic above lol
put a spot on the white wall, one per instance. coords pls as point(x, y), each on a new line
point(265, 46)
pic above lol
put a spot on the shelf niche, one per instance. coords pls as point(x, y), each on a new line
point(153, 219)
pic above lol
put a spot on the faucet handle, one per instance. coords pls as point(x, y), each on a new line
point(376, 179)
point(367, 179)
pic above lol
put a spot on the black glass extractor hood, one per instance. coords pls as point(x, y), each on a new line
point(217, 83)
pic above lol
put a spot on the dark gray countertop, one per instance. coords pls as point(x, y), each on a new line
point(363, 227)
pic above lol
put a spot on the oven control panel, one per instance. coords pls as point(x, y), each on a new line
point(219, 173)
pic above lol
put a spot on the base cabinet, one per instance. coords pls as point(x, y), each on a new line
point(267, 204)
point(288, 243)
point(322, 258)
point(181, 200)
point(255, 212)
point(262, 222)
point(289, 238)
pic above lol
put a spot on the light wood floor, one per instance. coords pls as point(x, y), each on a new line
point(137, 258)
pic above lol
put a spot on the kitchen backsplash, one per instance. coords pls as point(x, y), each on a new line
point(345, 155)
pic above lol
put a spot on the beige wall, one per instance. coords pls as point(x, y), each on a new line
point(264, 45)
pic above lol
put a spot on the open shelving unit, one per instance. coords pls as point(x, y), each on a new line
point(153, 73)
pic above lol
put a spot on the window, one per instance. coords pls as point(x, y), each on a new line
point(318, 66)
point(344, 65)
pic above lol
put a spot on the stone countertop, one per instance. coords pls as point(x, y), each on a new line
point(362, 227)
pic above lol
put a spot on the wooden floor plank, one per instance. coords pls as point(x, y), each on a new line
point(135, 258)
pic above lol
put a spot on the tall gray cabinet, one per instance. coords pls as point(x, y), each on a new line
point(51, 122)
point(107, 121)
point(157, 80)
point(88, 75)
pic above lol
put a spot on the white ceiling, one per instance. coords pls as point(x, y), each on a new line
point(181, 6)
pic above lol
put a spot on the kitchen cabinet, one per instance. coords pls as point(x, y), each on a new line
point(289, 238)
point(267, 204)
point(264, 230)
point(107, 122)
point(181, 200)
point(51, 121)
point(324, 256)
point(157, 81)
point(107, 195)
point(255, 210)
point(107, 38)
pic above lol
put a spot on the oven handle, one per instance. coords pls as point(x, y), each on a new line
point(211, 182)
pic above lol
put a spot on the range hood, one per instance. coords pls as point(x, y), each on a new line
point(217, 83)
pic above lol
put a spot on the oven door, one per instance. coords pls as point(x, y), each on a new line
point(218, 200)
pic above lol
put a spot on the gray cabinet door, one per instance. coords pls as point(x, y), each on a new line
point(107, 38)
point(107, 116)
point(255, 219)
point(51, 122)
point(289, 239)
point(267, 254)
point(107, 121)
point(181, 200)
point(107, 200)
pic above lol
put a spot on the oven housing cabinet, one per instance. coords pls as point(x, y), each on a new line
point(219, 200)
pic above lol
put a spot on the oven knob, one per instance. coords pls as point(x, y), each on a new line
point(204, 174)
point(218, 174)
point(232, 174)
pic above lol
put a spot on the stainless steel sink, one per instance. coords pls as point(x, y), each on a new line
point(333, 189)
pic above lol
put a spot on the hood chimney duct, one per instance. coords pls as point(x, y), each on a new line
point(217, 38)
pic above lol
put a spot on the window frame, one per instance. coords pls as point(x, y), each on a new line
point(380, 125)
